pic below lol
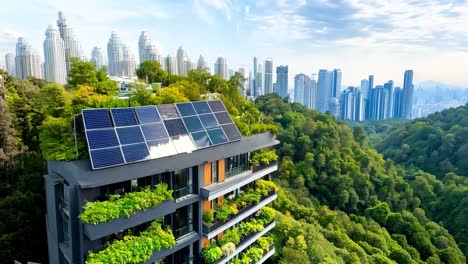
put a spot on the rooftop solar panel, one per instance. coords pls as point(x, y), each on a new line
point(130, 135)
point(147, 114)
point(124, 117)
point(96, 118)
point(125, 135)
point(104, 158)
point(102, 138)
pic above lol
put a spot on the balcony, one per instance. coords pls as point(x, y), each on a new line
point(181, 242)
point(230, 184)
point(246, 242)
point(267, 255)
point(220, 226)
point(97, 231)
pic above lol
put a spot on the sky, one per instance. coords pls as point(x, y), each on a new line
point(360, 37)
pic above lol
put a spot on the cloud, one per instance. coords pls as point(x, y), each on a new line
point(206, 9)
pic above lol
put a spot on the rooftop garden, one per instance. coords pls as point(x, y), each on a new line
point(125, 205)
point(88, 88)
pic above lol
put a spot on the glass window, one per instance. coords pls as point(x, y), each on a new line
point(183, 182)
point(214, 171)
point(214, 204)
point(64, 208)
point(236, 164)
point(183, 221)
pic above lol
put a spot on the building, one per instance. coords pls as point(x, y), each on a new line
point(114, 55)
point(189, 65)
point(324, 90)
point(202, 64)
point(97, 58)
point(72, 46)
point(2, 63)
point(170, 65)
point(220, 68)
point(27, 61)
point(336, 83)
point(191, 176)
point(255, 92)
point(351, 104)
point(268, 76)
point(259, 81)
point(389, 99)
point(302, 90)
point(10, 64)
point(55, 69)
point(407, 100)
point(128, 63)
point(397, 102)
point(146, 50)
point(181, 58)
point(282, 81)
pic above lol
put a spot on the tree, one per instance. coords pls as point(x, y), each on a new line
point(151, 71)
point(8, 148)
point(82, 73)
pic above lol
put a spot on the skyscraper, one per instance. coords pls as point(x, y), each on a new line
point(336, 83)
point(170, 64)
point(202, 64)
point(259, 81)
point(407, 102)
point(189, 65)
point(71, 44)
point(97, 58)
point(146, 50)
point(254, 83)
point(114, 54)
point(389, 99)
point(351, 104)
point(324, 90)
point(181, 58)
point(303, 91)
point(10, 64)
point(220, 68)
point(27, 60)
point(55, 69)
point(367, 95)
point(397, 102)
point(128, 64)
point(282, 81)
point(268, 76)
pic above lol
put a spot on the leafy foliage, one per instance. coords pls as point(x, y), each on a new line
point(135, 249)
point(125, 206)
point(212, 253)
point(263, 157)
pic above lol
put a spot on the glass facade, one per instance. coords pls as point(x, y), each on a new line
point(183, 182)
point(236, 164)
point(64, 208)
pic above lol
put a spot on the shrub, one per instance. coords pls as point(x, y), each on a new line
point(264, 244)
point(228, 249)
point(208, 217)
point(254, 254)
point(264, 187)
point(263, 156)
point(232, 235)
point(212, 253)
point(124, 206)
point(266, 214)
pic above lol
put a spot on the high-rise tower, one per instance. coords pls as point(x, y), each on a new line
point(27, 60)
point(55, 69)
point(282, 81)
point(71, 43)
point(97, 58)
point(114, 54)
point(268, 76)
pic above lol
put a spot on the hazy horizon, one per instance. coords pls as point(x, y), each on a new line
point(360, 37)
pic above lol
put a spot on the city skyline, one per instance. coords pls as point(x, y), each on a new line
point(363, 42)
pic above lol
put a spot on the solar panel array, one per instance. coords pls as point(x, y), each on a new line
point(120, 136)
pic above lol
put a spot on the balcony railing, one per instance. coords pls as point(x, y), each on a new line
point(264, 166)
point(245, 210)
point(236, 170)
point(182, 192)
point(267, 255)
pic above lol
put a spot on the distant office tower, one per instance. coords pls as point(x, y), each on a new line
point(303, 90)
point(351, 104)
point(220, 68)
point(10, 64)
point(407, 102)
point(71, 44)
point(97, 58)
point(367, 95)
point(313, 89)
point(128, 64)
point(389, 99)
point(202, 64)
point(397, 102)
point(27, 60)
point(324, 90)
point(170, 64)
point(254, 83)
point(245, 84)
point(250, 90)
point(282, 81)
point(55, 69)
point(181, 58)
point(114, 54)
point(146, 50)
point(336, 83)
point(259, 80)
point(189, 65)
point(268, 76)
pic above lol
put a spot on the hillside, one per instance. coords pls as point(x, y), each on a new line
point(340, 201)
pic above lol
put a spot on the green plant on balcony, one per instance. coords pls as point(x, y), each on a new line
point(231, 236)
point(254, 253)
point(228, 249)
point(226, 210)
point(263, 157)
point(252, 226)
point(264, 243)
point(208, 217)
point(266, 214)
point(263, 187)
point(212, 253)
point(124, 206)
point(135, 249)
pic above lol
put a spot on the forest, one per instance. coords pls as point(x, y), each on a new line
point(340, 201)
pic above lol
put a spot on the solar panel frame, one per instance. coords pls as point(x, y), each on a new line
point(89, 124)
point(141, 111)
point(97, 134)
point(202, 107)
point(223, 118)
point(189, 124)
point(94, 154)
point(123, 119)
point(217, 106)
point(125, 135)
point(132, 147)
point(231, 128)
point(166, 114)
point(149, 128)
point(208, 120)
point(172, 130)
point(186, 109)
point(212, 139)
